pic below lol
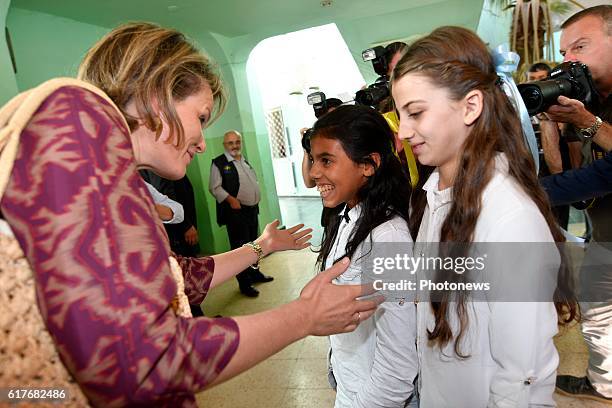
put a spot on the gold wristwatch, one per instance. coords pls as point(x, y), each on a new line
point(257, 249)
point(591, 130)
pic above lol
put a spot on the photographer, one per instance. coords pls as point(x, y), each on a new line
point(383, 61)
point(394, 53)
point(587, 37)
point(555, 152)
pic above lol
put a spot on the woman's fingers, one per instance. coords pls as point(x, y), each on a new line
point(350, 327)
point(337, 308)
point(301, 233)
point(360, 291)
point(366, 314)
point(303, 242)
point(295, 228)
point(274, 224)
point(335, 270)
point(371, 303)
point(368, 308)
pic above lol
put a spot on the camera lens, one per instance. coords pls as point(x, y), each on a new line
point(539, 96)
point(532, 96)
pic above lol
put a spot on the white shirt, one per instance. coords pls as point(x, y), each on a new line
point(5, 229)
point(375, 365)
point(178, 215)
point(513, 360)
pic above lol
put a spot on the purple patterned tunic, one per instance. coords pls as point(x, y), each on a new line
point(88, 227)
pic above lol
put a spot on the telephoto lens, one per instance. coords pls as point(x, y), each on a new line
point(570, 79)
point(541, 95)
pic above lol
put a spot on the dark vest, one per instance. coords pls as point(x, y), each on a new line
point(230, 181)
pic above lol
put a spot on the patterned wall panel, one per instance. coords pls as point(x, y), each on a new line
point(276, 133)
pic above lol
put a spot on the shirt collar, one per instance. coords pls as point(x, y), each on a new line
point(435, 197)
point(350, 215)
point(230, 158)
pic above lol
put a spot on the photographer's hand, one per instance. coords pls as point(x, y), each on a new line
point(306, 165)
point(570, 111)
point(574, 112)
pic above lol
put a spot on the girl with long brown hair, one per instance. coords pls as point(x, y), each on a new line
point(482, 188)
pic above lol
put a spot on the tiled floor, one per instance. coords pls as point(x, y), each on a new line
point(306, 210)
point(296, 377)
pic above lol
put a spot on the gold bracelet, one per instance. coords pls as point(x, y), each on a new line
point(257, 249)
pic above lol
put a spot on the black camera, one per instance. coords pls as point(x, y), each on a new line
point(374, 94)
point(306, 139)
point(321, 104)
point(570, 79)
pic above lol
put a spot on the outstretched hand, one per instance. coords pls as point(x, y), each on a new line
point(273, 239)
point(335, 308)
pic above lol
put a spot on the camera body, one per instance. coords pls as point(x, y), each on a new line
point(318, 102)
point(321, 104)
point(374, 94)
point(570, 79)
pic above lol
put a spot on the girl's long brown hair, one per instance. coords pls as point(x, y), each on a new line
point(456, 59)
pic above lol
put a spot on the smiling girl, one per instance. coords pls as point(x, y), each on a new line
point(458, 120)
point(353, 164)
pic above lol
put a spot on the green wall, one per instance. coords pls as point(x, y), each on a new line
point(8, 83)
point(48, 46)
point(238, 116)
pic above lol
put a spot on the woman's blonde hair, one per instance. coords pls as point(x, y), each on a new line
point(141, 63)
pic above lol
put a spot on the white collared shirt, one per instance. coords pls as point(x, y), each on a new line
point(375, 365)
point(178, 214)
point(513, 359)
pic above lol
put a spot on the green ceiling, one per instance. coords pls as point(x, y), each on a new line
point(230, 18)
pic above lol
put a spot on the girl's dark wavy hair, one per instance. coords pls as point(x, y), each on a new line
point(456, 59)
point(362, 131)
